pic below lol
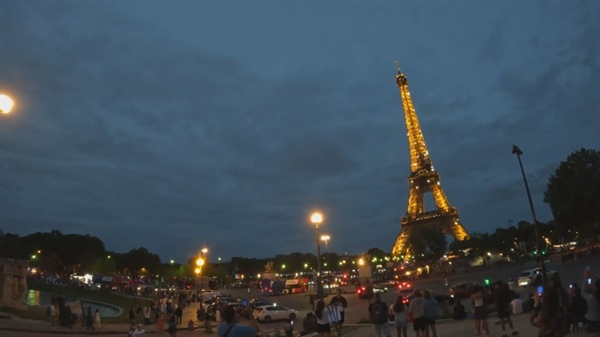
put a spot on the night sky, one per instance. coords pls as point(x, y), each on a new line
point(176, 125)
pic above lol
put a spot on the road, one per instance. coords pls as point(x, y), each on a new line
point(357, 308)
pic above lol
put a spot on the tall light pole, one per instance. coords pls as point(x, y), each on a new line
point(516, 150)
point(198, 271)
point(6, 104)
point(316, 218)
point(326, 238)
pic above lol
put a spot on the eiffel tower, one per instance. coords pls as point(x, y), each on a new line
point(423, 179)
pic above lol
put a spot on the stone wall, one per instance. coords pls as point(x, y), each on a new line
point(13, 283)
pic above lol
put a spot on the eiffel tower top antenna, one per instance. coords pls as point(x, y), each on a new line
point(397, 66)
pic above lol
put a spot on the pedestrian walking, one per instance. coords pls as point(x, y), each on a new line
point(378, 311)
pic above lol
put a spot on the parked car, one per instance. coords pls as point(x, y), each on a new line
point(527, 277)
point(268, 313)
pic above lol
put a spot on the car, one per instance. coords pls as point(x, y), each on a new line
point(259, 302)
point(527, 277)
point(460, 290)
point(365, 291)
point(268, 313)
point(405, 286)
point(440, 298)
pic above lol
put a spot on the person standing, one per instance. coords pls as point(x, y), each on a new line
point(479, 311)
point(550, 319)
point(591, 294)
point(323, 319)
point(340, 304)
point(89, 319)
point(53, 315)
point(97, 319)
point(502, 299)
point(432, 312)
point(416, 308)
point(160, 324)
point(378, 311)
point(400, 316)
point(229, 327)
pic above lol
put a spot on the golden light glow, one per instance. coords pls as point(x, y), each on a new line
point(204, 250)
point(361, 262)
point(6, 104)
point(200, 262)
point(325, 237)
point(423, 179)
point(197, 271)
point(316, 218)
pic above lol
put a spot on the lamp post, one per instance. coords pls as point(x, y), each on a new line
point(316, 218)
point(198, 271)
point(516, 150)
point(6, 104)
point(326, 238)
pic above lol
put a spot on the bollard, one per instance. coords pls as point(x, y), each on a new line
point(190, 325)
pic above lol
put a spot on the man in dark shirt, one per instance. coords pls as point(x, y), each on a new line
point(502, 298)
point(338, 304)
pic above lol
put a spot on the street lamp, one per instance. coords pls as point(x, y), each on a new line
point(326, 238)
point(316, 218)
point(199, 263)
point(6, 104)
point(518, 152)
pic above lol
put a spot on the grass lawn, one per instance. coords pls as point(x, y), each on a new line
point(123, 302)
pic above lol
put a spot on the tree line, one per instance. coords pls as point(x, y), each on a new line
point(572, 192)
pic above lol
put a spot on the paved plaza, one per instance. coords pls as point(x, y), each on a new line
point(16, 327)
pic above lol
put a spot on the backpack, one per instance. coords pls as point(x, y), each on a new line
point(379, 313)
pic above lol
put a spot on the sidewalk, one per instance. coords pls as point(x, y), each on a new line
point(445, 328)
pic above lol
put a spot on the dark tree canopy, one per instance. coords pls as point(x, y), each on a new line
point(573, 192)
point(427, 244)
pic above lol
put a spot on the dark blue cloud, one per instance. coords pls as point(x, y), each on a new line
point(179, 125)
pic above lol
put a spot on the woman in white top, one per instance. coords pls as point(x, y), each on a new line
point(399, 310)
point(323, 321)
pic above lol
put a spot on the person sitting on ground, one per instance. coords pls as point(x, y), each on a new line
point(309, 325)
point(459, 311)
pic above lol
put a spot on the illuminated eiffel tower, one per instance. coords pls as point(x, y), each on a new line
point(423, 179)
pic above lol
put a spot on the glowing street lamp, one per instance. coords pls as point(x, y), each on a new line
point(316, 218)
point(6, 104)
point(326, 238)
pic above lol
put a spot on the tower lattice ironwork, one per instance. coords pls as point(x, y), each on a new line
point(423, 179)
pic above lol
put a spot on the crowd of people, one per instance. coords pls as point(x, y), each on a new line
point(61, 313)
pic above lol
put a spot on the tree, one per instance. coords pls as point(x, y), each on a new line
point(573, 193)
point(428, 244)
